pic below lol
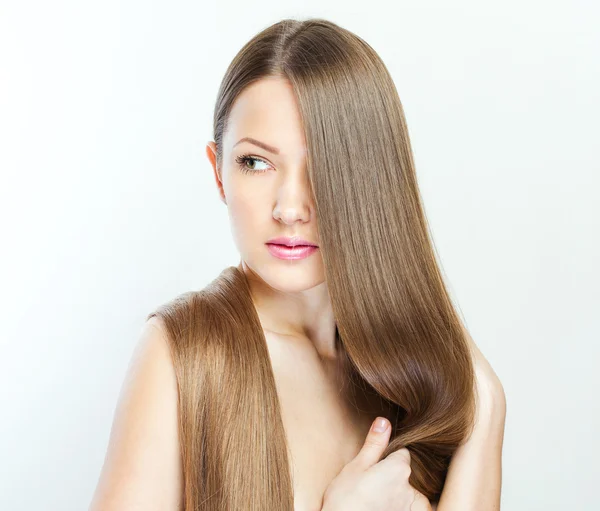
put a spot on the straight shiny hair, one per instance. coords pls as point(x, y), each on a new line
point(398, 333)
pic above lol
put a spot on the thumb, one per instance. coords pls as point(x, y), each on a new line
point(375, 443)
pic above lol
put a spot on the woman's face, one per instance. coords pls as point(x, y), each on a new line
point(265, 184)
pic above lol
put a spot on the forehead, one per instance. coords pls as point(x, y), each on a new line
point(267, 111)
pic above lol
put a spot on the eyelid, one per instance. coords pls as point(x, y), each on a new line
point(248, 156)
point(260, 158)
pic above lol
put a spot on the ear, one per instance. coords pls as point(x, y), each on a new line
point(211, 152)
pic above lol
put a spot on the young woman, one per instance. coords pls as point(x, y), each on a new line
point(259, 392)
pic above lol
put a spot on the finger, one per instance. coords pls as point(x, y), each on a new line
point(401, 456)
point(422, 503)
point(375, 444)
point(396, 466)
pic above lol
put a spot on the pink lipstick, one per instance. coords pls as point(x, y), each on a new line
point(291, 248)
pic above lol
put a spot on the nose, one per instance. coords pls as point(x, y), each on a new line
point(294, 202)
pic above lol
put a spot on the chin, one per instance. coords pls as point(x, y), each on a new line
point(289, 276)
point(293, 280)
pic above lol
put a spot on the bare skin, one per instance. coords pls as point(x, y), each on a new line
point(324, 430)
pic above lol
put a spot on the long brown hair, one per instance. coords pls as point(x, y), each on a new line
point(396, 324)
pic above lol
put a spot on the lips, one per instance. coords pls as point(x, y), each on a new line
point(291, 253)
point(291, 241)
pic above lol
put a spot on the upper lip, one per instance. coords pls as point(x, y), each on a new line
point(291, 242)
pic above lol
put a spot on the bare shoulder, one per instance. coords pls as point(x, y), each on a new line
point(487, 379)
point(142, 467)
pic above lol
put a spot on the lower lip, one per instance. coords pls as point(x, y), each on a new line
point(297, 252)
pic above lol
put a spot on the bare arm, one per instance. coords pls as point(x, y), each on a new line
point(142, 467)
point(474, 476)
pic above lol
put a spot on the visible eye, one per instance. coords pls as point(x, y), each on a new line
point(243, 159)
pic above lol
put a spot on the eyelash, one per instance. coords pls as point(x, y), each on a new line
point(242, 159)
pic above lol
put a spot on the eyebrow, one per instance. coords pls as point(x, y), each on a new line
point(258, 143)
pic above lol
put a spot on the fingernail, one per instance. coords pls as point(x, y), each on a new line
point(380, 425)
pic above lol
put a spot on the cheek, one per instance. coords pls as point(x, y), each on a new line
point(248, 217)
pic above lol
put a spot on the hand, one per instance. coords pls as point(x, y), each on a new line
point(368, 484)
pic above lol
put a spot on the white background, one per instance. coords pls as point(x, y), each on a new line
point(108, 208)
